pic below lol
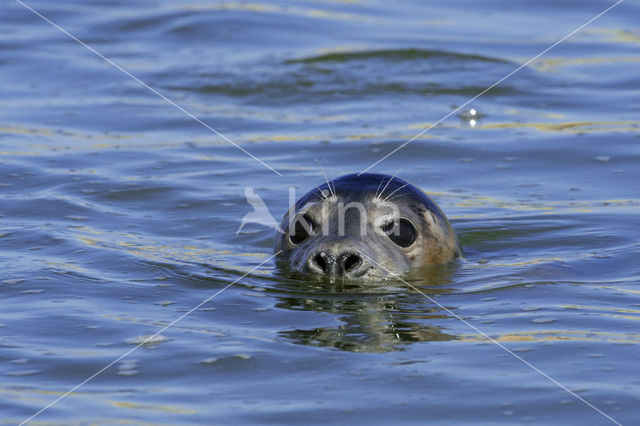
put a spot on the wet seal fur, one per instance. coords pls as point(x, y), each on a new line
point(365, 226)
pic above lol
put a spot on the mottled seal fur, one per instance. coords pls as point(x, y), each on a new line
point(365, 226)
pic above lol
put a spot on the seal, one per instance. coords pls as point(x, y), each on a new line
point(365, 226)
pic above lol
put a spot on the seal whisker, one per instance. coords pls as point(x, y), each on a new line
point(385, 187)
point(397, 196)
point(396, 190)
point(326, 179)
point(321, 193)
point(388, 182)
point(394, 197)
point(378, 189)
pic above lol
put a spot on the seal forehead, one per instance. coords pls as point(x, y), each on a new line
point(367, 183)
point(366, 186)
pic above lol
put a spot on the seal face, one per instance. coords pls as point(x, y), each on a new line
point(365, 226)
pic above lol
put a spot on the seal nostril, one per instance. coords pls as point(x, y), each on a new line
point(351, 262)
point(320, 262)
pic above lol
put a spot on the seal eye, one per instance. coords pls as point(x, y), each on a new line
point(400, 231)
point(302, 228)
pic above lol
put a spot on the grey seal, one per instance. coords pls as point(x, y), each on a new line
point(365, 226)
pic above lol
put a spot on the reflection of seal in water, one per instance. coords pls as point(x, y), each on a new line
point(365, 226)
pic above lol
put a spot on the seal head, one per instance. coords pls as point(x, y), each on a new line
point(365, 226)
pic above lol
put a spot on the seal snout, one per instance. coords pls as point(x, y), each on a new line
point(348, 264)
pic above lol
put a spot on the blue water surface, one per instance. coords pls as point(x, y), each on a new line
point(119, 211)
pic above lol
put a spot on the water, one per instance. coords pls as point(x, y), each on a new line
point(119, 213)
